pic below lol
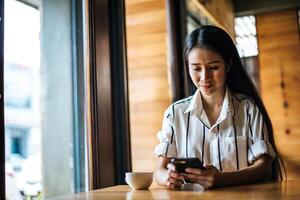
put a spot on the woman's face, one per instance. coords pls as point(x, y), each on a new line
point(207, 70)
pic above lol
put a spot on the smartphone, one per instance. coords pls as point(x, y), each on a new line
point(182, 163)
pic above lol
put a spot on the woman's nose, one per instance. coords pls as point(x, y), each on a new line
point(205, 75)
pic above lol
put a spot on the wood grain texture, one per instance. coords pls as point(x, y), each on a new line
point(279, 60)
point(149, 93)
point(282, 190)
point(219, 12)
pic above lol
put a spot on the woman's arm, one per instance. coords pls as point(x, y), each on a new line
point(260, 171)
point(211, 177)
point(166, 175)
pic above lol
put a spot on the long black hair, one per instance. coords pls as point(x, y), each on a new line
point(237, 80)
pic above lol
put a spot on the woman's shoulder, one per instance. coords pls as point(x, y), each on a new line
point(179, 106)
point(182, 102)
point(243, 100)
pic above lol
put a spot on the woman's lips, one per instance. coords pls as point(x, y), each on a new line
point(206, 87)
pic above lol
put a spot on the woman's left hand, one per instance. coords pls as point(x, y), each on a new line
point(209, 177)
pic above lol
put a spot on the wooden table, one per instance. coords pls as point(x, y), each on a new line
point(283, 190)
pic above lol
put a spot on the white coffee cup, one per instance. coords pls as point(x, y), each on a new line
point(139, 180)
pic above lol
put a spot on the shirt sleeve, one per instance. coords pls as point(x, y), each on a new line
point(166, 137)
point(258, 135)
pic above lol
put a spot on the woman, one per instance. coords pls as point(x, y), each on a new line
point(224, 123)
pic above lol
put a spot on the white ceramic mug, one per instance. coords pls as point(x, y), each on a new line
point(139, 180)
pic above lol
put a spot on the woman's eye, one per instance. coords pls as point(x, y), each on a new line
point(214, 67)
point(196, 68)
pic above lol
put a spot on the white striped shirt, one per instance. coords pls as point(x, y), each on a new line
point(238, 137)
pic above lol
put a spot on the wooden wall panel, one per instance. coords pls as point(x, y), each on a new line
point(279, 60)
point(216, 7)
point(149, 93)
point(219, 12)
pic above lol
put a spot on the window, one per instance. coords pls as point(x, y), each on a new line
point(246, 40)
point(17, 75)
point(246, 43)
point(82, 99)
point(17, 141)
point(44, 87)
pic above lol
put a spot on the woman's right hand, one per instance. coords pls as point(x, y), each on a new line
point(174, 180)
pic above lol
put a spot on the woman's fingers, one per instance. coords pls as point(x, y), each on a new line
point(172, 186)
point(175, 175)
point(205, 184)
point(194, 171)
point(207, 166)
point(205, 181)
point(175, 181)
point(171, 167)
point(195, 177)
point(208, 170)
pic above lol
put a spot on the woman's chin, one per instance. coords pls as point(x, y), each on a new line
point(207, 91)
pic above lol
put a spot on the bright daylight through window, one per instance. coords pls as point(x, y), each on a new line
point(22, 109)
point(246, 40)
point(44, 120)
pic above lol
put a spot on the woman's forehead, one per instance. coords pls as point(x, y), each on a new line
point(202, 54)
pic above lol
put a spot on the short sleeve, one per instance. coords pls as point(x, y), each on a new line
point(166, 137)
point(258, 135)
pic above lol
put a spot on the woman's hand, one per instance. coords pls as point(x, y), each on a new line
point(209, 177)
point(174, 180)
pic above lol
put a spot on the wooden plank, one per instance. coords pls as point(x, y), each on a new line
point(143, 62)
point(153, 49)
point(146, 39)
point(156, 71)
point(279, 59)
point(145, 17)
point(146, 28)
point(149, 94)
point(147, 6)
point(212, 11)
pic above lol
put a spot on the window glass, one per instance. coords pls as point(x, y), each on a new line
point(44, 127)
point(245, 30)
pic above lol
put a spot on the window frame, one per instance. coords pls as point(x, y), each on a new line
point(2, 131)
point(110, 132)
point(181, 84)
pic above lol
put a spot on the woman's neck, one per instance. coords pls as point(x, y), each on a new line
point(212, 105)
point(214, 100)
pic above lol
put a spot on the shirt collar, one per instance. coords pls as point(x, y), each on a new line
point(227, 106)
point(197, 106)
